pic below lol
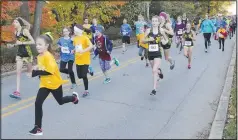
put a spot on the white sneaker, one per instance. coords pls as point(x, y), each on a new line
point(206, 50)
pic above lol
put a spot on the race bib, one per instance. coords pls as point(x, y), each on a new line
point(124, 33)
point(78, 48)
point(65, 50)
point(188, 43)
point(153, 47)
point(180, 32)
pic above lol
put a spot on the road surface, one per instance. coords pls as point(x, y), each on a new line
point(184, 106)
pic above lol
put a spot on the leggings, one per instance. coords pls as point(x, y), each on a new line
point(82, 71)
point(69, 70)
point(207, 37)
point(221, 40)
point(42, 95)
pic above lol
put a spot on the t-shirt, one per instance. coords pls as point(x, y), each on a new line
point(126, 30)
point(140, 27)
point(100, 43)
point(222, 32)
point(179, 29)
point(66, 48)
point(140, 37)
point(81, 43)
point(47, 63)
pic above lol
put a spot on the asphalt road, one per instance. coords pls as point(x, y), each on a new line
point(184, 106)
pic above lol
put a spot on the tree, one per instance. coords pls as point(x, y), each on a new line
point(37, 18)
point(24, 11)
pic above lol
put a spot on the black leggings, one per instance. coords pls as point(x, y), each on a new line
point(207, 37)
point(42, 95)
point(82, 71)
point(69, 70)
point(221, 40)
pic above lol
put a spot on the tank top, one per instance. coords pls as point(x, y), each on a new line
point(188, 38)
point(23, 50)
point(154, 46)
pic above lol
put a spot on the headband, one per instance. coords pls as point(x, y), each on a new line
point(20, 21)
point(48, 34)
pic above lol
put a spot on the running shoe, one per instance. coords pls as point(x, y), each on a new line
point(172, 65)
point(206, 50)
point(85, 93)
point(161, 75)
point(16, 95)
point(147, 64)
point(107, 80)
point(189, 66)
point(76, 98)
point(90, 70)
point(36, 131)
point(117, 63)
point(73, 86)
point(153, 92)
point(142, 58)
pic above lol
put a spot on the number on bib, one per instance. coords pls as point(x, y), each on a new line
point(188, 43)
point(65, 50)
point(153, 47)
point(78, 48)
point(180, 32)
point(124, 33)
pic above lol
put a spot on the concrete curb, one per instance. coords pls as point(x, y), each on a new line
point(5, 74)
point(219, 121)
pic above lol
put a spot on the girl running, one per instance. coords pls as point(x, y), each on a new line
point(82, 55)
point(67, 55)
point(222, 34)
point(50, 80)
point(24, 53)
point(179, 29)
point(188, 38)
point(104, 49)
point(167, 28)
point(155, 38)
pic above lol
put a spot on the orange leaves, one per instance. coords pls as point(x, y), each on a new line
point(7, 33)
point(9, 6)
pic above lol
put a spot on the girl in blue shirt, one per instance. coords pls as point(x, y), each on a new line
point(65, 44)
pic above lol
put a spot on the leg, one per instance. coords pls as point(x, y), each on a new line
point(123, 44)
point(84, 71)
point(205, 39)
point(219, 43)
point(189, 55)
point(29, 64)
point(19, 63)
point(58, 95)
point(223, 43)
point(209, 38)
point(71, 72)
point(41, 96)
point(186, 51)
point(63, 67)
point(156, 66)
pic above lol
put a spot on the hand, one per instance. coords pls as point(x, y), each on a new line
point(108, 52)
point(81, 51)
point(18, 42)
point(72, 51)
point(151, 39)
point(35, 67)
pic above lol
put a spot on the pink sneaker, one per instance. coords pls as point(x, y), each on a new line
point(16, 95)
point(189, 66)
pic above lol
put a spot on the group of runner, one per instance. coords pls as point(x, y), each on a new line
point(78, 40)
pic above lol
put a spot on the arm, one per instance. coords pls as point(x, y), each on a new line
point(109, 44)
point(27, 33)
point(89, 44)
point(164, 37)
point(39, 73)
point(170, 29)
point(146, 39)
point(194, 36)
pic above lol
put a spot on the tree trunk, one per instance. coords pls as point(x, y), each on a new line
point(37, 18)
point(24, 11)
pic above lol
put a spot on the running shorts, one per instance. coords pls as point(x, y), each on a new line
point(126, 39)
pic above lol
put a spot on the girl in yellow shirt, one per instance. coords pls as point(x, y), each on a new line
point(50, 80)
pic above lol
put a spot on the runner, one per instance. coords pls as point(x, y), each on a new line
point(104, 49)
point(222, 34)
point(88, 33)
point(82, 55)
point(188, 38)
point(179, 28)
point(207, 28)
point(165, 24)
point(126, 33)
point(155, 37)
point(184, 19)
point(233, 25)
point(50, 80)
point(140, 29)
point(67, 55)
point(24, 53)
point(196, 23)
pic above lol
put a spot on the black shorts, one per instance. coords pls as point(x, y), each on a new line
point(153, 57)
point(126, 39)
point(82, 70)
point(166, 46)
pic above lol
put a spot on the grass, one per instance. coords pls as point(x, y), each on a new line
point(230, 131)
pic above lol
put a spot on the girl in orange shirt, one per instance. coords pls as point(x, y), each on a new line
point(50, 80)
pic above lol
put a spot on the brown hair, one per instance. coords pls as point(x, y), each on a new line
point(69, 29)
point(48, 40)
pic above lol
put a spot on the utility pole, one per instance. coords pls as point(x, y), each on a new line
point(37, 18)
point(148, 9)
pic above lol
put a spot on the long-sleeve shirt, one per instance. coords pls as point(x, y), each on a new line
point(126, 30)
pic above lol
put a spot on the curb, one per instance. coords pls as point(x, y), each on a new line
point(219, 121)
point(5, 74)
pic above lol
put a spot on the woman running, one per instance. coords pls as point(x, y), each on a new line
point(155, 38)
point(24, 53)
point(50, 80)
point(179, 29)
point(222, 34)
point(67, 55)
point(169, 32)
point(104, 49)
point(82, 55)
point(188, 38)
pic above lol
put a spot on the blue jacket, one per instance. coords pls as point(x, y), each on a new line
point(207, 26)
point(67, 45)
point(108, 45)
point(219, 24)
point(125, 30)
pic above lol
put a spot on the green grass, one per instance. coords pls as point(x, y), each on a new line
point(230, 127)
